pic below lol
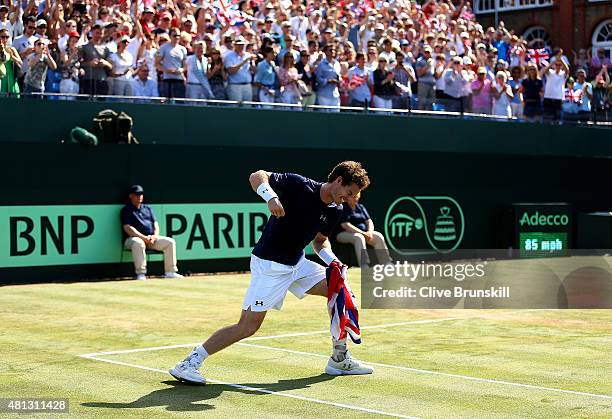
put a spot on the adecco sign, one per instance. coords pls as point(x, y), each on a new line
point(81, 234)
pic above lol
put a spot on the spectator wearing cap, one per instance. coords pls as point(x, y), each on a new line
point(584, 110)
point(455, 81)
point(171, 62)
point(122, 62)
point(359, 82)
point(481, 92)
point(198, 86)
point(240, 68)
point(164, 21)
point(94, 58)
point(425, 83)
point(38, 64)
point(143, 85)
point(532, 90)
point(70, 26)
point(384, 85)
point(10, 63)
point(266, 77)
point(41, 29)
point(328, 78)
point(71, 65)
point(141, 232)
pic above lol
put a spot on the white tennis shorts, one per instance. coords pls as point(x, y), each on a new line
point(270, 282)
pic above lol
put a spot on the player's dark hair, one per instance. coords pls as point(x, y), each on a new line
point(350, 172)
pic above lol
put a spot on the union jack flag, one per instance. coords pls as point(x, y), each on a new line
point(539, 56)
point(357, 81)
point(228, 14)
point(341, 304)
point(573, 96)
point(467, 14)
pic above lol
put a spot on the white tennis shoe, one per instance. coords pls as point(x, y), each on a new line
point(187, 371)
point(349, 366)
point(173, 275)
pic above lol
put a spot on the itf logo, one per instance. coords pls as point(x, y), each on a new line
point(424, 222)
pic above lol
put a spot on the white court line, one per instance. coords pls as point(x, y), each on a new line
point(289, 335)
point(263, 390)
point(420, 371)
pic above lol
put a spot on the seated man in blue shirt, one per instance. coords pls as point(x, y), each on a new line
point(358, 229)
point(141, 231)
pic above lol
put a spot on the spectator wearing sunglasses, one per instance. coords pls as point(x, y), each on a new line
point(171, 62)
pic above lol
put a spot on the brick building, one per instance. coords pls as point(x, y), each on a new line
point(570, 24)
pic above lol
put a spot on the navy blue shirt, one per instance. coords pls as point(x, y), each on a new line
point(358, 216)
point(283, 239)
point(142, 219)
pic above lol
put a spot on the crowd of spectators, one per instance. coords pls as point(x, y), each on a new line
point(397, 54)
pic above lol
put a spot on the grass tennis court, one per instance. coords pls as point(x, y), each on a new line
point(428, 363)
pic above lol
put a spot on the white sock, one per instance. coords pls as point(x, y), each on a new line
point(339, 349)
point(198, 355)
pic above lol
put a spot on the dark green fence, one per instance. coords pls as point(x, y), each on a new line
point(205, 154)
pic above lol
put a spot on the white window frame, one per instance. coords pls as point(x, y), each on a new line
point(596, 45)
point(488, 6)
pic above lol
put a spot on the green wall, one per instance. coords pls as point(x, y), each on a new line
point(204, 156)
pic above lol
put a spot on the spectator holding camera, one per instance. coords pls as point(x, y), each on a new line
point(94, 58)
point(71, 65)
point(10, 63)
point(38, 64)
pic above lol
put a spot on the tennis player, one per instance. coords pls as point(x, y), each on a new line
point(303, 211)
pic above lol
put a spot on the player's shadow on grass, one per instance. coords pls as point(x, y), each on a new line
point(180, 397)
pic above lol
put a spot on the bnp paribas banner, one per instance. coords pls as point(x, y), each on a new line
point(44, 235)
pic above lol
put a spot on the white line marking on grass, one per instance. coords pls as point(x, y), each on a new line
point(316, 332)
point(420, 371)
point(261, 390)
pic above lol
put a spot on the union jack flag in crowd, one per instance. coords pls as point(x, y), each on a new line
point(341, 304)
point(228, 14)
point(539, 56)
point(357, 81)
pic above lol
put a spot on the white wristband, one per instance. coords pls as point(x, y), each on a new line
point(327, 255)
point(266, 192)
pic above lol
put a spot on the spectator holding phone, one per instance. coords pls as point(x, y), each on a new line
point(38, 64)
